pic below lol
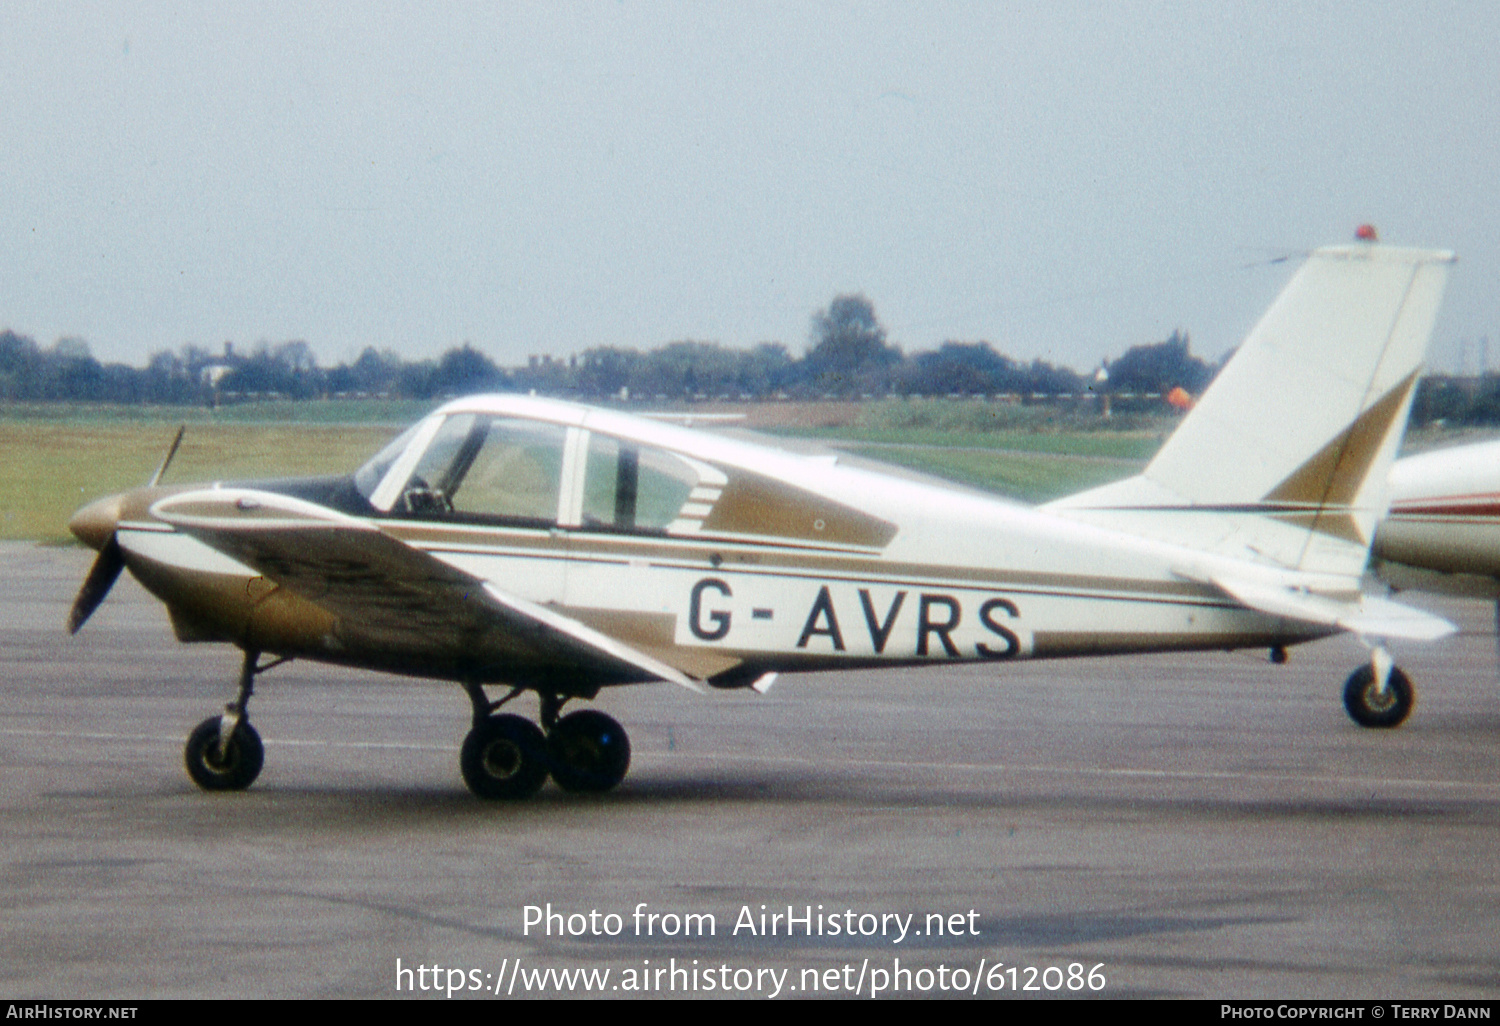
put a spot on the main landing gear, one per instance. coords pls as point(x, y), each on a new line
point(1379, 694)
point(224, 753)
point(506, 757)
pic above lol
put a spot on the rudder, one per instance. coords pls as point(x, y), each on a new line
point(1284, 458)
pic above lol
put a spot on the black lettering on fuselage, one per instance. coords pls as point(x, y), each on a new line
point(822, 610)
point(926, 625)
point(1012, 640)
point(880, 633)
point(719, 617)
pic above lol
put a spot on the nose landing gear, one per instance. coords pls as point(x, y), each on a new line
point(224, 753)
point(220, 763)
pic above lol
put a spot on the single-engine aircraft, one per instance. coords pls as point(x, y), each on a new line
point(543, 546)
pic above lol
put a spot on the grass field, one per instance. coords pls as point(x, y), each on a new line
point(1029, 452)
point(1031, 477)
point(56, 457)
point(53, 467)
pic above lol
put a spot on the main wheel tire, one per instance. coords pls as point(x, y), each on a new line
point(504, 758)
point(1369, 708)
point(590, 752)
point(240, 765)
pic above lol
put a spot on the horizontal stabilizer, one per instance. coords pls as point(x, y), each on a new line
point(1363, 614)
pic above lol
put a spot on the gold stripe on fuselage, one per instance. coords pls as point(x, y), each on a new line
point(740, 556)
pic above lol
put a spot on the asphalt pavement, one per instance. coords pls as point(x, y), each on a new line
point(1201, 825)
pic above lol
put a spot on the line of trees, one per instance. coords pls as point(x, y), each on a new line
point(848, 355)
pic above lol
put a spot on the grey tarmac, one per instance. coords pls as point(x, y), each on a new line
point(1205, 825)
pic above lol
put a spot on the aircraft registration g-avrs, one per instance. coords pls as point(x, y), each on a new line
point(542, 546)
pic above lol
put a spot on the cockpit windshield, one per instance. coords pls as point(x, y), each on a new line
point(368, 477)
point(484, 467)
point(470, 466)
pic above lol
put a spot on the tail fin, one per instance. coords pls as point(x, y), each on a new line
point(1284, 458)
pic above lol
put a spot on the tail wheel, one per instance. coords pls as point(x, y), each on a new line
point(1370, 707)
point(233, 769)
point(504, 758)
point(590, 752)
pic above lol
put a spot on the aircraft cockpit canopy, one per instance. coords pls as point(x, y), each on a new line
point(485, 467)
point(523, 461)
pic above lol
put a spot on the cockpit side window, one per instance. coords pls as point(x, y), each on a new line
point(609, 484)
point(630, 487)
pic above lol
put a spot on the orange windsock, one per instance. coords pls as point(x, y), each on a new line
point(1179, 399)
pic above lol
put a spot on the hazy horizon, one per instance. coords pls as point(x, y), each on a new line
point(1063, 182)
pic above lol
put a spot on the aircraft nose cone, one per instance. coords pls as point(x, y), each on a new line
point(93, 524)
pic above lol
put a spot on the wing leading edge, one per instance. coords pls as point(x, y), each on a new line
point(389, 595)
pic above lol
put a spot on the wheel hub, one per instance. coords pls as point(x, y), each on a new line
point(502, 759)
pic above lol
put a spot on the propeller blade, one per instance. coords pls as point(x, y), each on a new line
point(96, 585)
point(171, 451)
point(89, 524)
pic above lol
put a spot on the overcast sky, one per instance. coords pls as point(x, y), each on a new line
point(1063, 180)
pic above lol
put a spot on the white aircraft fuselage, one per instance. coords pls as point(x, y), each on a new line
point(775, 562)
point(560, 549)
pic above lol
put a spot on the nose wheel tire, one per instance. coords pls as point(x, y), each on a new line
point(590, 752)
point(1369, 707)
point(503, 758)
point(233, 769)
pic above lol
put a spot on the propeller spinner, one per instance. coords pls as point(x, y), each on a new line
point(94, 525)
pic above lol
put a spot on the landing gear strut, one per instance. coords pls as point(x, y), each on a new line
point(224, 753)
point(1379, 694)
point(508, 757)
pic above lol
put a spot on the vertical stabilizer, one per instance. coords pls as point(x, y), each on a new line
point(1284, 458)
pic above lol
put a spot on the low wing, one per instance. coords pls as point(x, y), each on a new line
point(392, 596)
